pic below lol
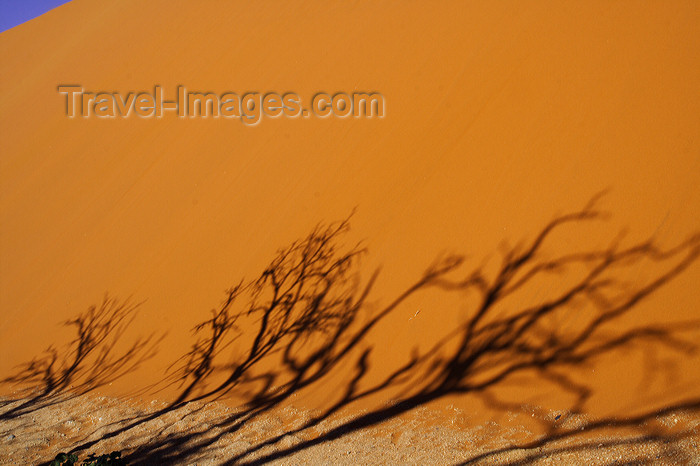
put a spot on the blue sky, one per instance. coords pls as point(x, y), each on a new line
point(14, 12)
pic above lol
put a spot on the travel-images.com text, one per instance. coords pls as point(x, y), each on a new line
point(249, 107)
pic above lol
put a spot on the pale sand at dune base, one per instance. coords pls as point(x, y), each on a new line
point(426, 436)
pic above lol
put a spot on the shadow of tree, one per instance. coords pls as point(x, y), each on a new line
point(86, 363)
point(494, 345)
point(614, 433)
point(306, 297)
point(303, 313)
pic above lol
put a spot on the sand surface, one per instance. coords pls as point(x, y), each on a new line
point(516, 238)
point(426, 436)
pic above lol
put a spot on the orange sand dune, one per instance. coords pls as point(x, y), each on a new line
point(499, 116)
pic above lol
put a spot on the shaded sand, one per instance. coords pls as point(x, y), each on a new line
point(177, 260)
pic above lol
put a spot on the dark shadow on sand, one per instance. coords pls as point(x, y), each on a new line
point(304, 310)
point(91, 360)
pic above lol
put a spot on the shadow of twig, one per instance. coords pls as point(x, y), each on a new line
point(86, 363)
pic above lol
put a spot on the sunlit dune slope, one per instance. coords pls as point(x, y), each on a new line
point(499, 116)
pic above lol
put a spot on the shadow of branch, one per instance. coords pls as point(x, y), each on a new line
point(89, 361)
